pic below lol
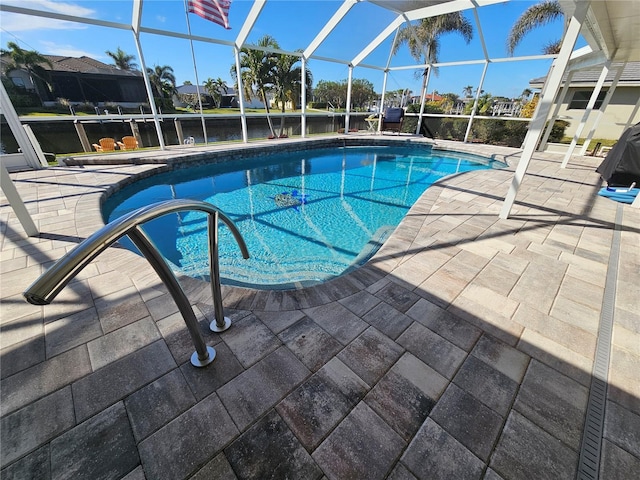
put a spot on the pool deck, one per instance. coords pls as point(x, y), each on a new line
point(464, 348)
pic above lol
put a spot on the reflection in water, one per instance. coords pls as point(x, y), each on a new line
point(306, 216)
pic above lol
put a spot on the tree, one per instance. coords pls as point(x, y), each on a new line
point(287, 82)
point(468, 90)
point(485, 102)
point(423, 38)
point(529, 108)
point(535, 16)
point(526, 93)
point(215, 88)
point(330, 92)
point(335, 93)
point(30, 61)
point(448, 101)
point(162, 80)
point(362, 92)
point(122, 60)
point(256, 70)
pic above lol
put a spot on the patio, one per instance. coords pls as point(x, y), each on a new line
point(464, 348)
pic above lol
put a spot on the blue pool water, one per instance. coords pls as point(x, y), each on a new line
point(306, 216)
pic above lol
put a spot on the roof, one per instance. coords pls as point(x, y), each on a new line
point(588, 77)
point(84, 64)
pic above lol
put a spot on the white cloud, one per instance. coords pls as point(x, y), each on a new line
point(22, 23)
point(161, 18)
point(57, 7)
point(13, 22)
point(52, 48)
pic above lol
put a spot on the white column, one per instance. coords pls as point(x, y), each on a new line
point(587, 112)
point(303, 98)
point(475, 102)
point(346, 117)
point(243, 115)
point(631, 117)
point(9, 190)
point(484, 71)
point(603, 107)
point(19, 133)
point(381, 106)
point(423, 99)
point(544, 107)
point(135, 26)
point(556, 109)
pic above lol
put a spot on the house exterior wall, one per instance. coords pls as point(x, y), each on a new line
point(614, 119)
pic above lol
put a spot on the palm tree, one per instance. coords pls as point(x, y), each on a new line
point(257, 68)
point(425, 37)
point(287, 81)
point(535, 16)
point(29, 60)
point(122, 60)
point(468, 90)
point(162, 80)
point(215, 89)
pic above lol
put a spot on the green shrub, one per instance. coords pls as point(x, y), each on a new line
point(451, 129)
point(20, 96)
point(165, 104)
point(557, 131)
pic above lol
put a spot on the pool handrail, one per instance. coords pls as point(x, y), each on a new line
point(44, 290)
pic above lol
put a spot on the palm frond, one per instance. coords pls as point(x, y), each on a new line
point(422, 38)
point(552, 47)
point(533, 17)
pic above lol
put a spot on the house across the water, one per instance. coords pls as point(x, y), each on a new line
point(80, 80)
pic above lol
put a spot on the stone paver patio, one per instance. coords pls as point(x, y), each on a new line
point(463, 349)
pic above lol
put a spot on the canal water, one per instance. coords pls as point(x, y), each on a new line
point(60, 137)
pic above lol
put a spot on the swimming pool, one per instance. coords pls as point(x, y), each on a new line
point(306, 216)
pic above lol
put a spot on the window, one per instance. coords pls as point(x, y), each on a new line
point(581, 99)
point(18, 82)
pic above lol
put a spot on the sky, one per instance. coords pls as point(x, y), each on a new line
point(294, 24)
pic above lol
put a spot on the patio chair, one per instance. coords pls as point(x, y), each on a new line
point(128, 143)
point(392, 120)
point(106, 145)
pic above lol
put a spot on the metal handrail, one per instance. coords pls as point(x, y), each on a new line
point(50, 283)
